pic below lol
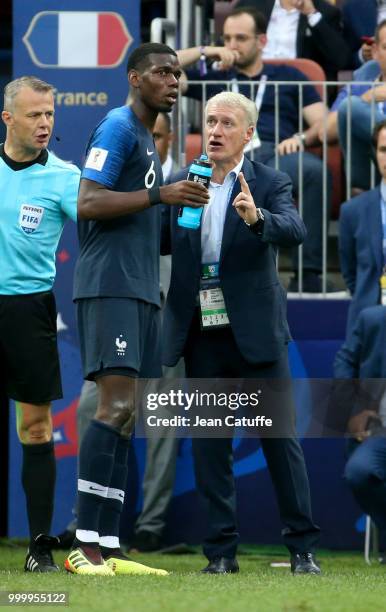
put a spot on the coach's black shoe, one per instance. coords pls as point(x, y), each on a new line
point(145, 541)
point(222, 565)
point(304, 563)
point(39, 557)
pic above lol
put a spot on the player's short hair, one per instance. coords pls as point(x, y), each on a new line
point(258, 17)
point(378, 29)
point(235, 100)
point(140, 56)
point(13, 87)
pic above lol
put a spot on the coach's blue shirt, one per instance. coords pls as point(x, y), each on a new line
point(120, 257)
point(288, 95)
point(36, 199)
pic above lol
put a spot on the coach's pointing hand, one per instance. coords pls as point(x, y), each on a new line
point(244, 202)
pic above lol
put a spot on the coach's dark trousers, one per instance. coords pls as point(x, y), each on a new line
point(214, 354)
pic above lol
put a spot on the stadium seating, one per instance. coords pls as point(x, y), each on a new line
point(312, 70)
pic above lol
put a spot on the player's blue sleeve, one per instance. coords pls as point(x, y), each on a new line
point(70, 194)
point(110, 145)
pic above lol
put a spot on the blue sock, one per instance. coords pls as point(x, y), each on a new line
point(96, 462)
point(111, 511)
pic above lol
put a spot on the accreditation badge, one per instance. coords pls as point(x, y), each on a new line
point(382, 282)
point(212, 304)
point(213, 310)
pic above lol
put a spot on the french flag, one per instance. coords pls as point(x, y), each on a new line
point(77, 39)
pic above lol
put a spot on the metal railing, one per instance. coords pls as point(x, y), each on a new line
point(184, 125)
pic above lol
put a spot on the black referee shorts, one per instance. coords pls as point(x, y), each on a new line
point(29, 360)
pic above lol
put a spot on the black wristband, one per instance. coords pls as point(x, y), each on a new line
point(154, 196)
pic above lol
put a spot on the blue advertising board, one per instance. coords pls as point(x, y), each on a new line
point(81, 48)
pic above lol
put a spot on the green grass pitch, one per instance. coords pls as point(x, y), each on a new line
point(347, 584)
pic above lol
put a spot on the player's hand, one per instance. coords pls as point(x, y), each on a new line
point(225, 57)
point(306, 7)
point(289, 145)
point(244, 203)
point(358, 423)
point(186, 193)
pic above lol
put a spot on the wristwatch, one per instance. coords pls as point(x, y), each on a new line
point(301, 137)
point(257, 227)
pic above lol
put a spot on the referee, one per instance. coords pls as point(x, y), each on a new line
point(39, 193)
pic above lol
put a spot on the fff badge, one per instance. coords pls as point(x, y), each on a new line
point(30, 217)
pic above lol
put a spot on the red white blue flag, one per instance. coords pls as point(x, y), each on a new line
point(77, 39)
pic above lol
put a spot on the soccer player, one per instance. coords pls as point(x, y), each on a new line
point(38, 193)
point(117, 295)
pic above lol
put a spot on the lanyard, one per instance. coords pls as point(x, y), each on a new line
point(209, 270)
point(260, 90)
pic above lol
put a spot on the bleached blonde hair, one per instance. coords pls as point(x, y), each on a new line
point(235, 100)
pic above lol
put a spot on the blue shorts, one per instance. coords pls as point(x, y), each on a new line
point(119, 336)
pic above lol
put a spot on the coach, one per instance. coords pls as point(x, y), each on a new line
point(249, 215)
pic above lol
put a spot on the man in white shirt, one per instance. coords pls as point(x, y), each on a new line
point(309, 29)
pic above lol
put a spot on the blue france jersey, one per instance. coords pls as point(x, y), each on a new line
point(36, 200)
point(120, 257)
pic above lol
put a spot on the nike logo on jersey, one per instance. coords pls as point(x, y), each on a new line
point(149, 152)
